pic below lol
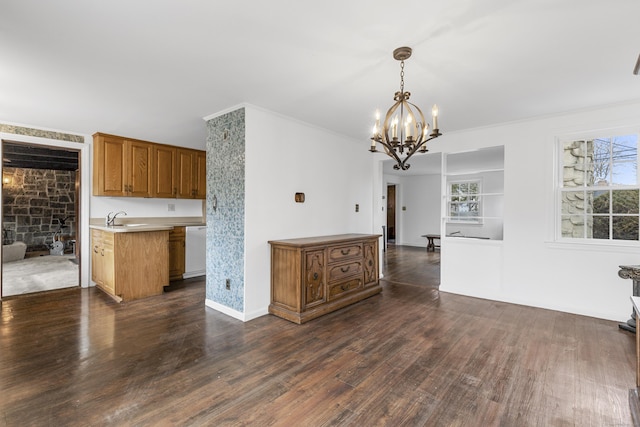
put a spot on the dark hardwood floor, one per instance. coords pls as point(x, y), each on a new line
point(411, 356)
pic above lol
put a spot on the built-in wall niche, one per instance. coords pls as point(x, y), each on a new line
point(473, 194)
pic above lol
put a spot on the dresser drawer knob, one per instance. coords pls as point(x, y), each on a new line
point(345, 286)
point(345, 252)
point(345, 270)
point(315, 276)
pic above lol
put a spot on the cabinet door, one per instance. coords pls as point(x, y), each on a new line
point(139, 171)
point(370, 263)
point(200, 175)
point(96, 259)
point(164, 171)
point(185, 174)
point(314, 281)
point(176, 253)
point(108, 264)
point(109, 166)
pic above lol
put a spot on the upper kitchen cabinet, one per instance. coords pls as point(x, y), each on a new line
point(126, 167)
point(192, 174)
point(165, 172)
point(121, 167)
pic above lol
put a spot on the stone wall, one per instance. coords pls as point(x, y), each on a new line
point(35, 201)
point(577, 159)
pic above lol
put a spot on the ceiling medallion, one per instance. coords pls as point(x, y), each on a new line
point(404, 131)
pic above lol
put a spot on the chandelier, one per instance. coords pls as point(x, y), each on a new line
point(404, 131)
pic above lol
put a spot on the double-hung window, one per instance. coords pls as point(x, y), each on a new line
point(599, 189)
point(464, 201)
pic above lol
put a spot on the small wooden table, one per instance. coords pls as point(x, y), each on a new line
point(431, 246)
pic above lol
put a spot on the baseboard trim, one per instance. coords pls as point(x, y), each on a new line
point(245, 317)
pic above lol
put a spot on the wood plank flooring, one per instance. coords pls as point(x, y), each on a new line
point(412, 356)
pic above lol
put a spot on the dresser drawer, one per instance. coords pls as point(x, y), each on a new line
point(341, 271)
point(341, 253)
point(338, 289)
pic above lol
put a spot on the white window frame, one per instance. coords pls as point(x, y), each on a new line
point(585, 188)
point(454, 219)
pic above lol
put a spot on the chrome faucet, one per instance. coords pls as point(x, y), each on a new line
point(110, 221)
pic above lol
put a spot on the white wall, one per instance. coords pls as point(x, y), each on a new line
point(146, 208)
point(284, 156)
point(528, 266)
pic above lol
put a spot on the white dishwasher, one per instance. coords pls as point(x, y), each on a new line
point(195, 251)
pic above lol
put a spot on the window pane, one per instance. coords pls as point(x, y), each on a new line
point(600, 227)
point(573, 202)
point(573, 226)
point(473, 188)
point(599, 201)
point(598, 161)
point(573, 164)
point(625, 227)
point(625, 160)
point(625, 201)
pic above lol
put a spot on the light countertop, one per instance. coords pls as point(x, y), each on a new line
point(132, 228)
point(126, 224)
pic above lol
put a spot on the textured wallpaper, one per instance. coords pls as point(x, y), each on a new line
point(19, 130)
point(225, 224)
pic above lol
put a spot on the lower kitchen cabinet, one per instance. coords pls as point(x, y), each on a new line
point(130, 265)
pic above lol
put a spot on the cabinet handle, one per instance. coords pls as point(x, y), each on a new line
point(343, 270)
point(175, 191)
point(345, 253)
point(315, 276)
point(345, 286)
point(95, 249)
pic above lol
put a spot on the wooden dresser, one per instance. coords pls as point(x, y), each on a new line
point(313, 276)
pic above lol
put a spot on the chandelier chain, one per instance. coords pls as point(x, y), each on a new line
point(401, 76)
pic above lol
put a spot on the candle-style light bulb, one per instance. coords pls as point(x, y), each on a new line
point(374, 137)
point(394, 127)
point(434, 113)
point(409, 127)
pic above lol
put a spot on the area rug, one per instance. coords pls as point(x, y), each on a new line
point(39, 274)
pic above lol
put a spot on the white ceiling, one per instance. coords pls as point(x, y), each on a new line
point(153, 69)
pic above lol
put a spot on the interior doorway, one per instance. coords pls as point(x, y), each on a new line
point(40, 218)
point(391, 213)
